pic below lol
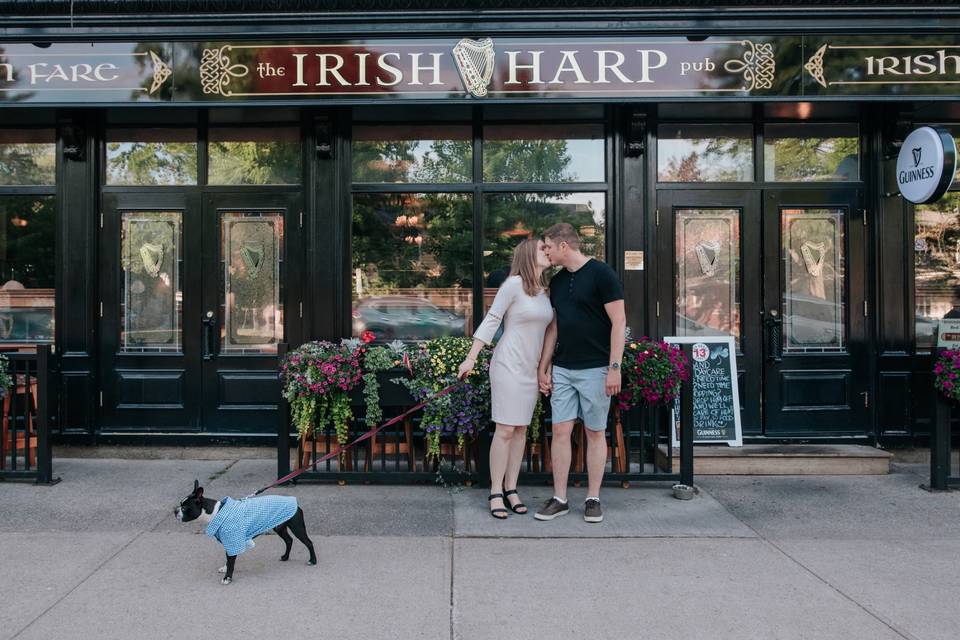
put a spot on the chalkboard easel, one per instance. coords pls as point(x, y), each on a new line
point(716, 396)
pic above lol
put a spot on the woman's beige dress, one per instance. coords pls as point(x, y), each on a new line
point(513, 369)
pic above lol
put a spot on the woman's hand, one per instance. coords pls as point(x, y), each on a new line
point(466, 367)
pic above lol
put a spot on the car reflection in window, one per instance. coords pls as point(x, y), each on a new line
point(404, 318)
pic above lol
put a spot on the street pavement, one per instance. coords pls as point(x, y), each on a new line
point(100, 555)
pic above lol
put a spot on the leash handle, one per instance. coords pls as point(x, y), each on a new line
point(366, 436)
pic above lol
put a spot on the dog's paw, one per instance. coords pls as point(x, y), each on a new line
point(284, 558)
point(222, 569)
point(311, 563)
point(226, 580)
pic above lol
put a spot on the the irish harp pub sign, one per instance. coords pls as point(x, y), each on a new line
point(480, 68)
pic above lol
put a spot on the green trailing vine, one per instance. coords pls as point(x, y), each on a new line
point(375, 360)
point(533, 433)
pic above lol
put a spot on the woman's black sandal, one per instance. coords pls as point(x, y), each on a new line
point(514, 507)
point(494, 512)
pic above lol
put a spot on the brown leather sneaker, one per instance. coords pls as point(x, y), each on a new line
point(551, 509)
point(592, 512)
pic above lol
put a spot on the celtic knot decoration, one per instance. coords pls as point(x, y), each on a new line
point(216, 71)
point(758, 65)
point(161, 72)
point(814, 66)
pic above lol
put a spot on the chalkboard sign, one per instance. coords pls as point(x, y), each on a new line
point(716, 398)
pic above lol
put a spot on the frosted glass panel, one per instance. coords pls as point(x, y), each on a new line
point(151, 280)
point(252, 245)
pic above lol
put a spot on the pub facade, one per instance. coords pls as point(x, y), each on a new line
point(183, 190)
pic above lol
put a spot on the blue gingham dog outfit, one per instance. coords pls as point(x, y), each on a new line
point(238, 521)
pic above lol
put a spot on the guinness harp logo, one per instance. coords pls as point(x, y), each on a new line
point(475, 61)
point(917, 152)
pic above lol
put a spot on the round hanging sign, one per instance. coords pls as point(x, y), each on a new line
point(926, 164)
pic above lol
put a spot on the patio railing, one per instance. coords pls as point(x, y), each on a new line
point(25, 451)
point(639, 449)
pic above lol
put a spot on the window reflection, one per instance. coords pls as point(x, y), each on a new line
point(813, 297)
point(936, 250)
point(811, 152)
point(705, 153)
point(708, 272)
point(151, 278)
point(412, 265)
point(405, 153)
point(27, 157)
point(27, 259)
point(151, 157)
point(543, 153)
point(254, 156)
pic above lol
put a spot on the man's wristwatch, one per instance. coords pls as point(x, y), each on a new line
point(615, 366)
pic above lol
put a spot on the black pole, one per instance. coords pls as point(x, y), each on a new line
point(686, 423)
point(44, 451)
point(283, 421)
point(940, 443)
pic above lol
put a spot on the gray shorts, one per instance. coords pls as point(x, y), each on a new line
point(580, 393)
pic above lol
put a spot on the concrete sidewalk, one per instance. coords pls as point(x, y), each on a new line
point(100, 555)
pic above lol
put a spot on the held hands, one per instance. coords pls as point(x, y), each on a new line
point(545, 380)
point(466, 367)
point(613, 382)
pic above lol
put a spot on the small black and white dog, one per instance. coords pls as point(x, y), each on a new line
point(235, 523)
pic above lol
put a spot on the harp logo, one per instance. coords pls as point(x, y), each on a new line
point(475, 62)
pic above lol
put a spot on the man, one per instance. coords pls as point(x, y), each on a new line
point(580, 364)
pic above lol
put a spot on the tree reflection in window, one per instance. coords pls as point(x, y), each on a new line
point(151, 157)
point(705, 153)
point(246, 155)
point(543, 153)
point(936, 250)
point(27, 157)
point(440, 154)
point(412, 265)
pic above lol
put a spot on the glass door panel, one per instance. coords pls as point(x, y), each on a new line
point(707, 271)
point(251, 267)
point(813, 296)
point(152, 294)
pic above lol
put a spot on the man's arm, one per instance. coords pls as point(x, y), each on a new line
point(618, 332)
point(544, 371)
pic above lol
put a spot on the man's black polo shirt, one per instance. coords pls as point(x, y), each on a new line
point(583, 326)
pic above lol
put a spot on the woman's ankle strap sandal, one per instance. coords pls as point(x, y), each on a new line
point(496, 512)
point(515, 507)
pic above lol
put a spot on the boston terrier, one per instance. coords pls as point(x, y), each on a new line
point(235, 523)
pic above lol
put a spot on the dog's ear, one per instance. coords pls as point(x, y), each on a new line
point(198, 492)
point(196, 485)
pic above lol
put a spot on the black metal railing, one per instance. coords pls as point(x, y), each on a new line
point(25, 451)
point(639, 446)
point(944, 461)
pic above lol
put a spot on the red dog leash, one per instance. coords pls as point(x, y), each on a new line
point(366, 436)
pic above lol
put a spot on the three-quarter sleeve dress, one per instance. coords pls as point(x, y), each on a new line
point(513, 368)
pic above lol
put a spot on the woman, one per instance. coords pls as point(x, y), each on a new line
point(523, 306)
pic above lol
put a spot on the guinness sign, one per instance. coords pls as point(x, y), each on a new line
point(926, 164)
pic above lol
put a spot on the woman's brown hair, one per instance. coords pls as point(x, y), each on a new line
point(525, 266)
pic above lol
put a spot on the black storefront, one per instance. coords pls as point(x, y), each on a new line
point(185, 188)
